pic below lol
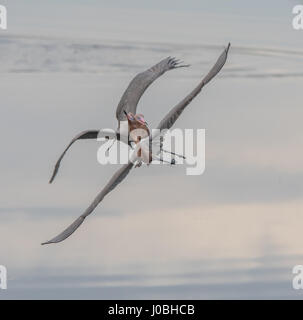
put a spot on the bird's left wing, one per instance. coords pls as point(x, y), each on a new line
point(175, 112)
point(118, 177)
point(140, 83)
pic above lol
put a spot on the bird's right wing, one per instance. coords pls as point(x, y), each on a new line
point(88, 134)
point(175, 113)
point(140, 83)
point(118, 177)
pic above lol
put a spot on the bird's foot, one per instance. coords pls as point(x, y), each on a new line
point(139, 164)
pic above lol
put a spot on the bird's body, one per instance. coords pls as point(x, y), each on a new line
point(137, 130)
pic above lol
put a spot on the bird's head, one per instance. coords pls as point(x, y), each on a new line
point(130, 116)
point(140, 119)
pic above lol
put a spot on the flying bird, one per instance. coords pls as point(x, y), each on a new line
point(127, 104)
point(126, 111)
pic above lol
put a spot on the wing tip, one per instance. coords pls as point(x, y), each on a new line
point(228, 47)
point(67, 232)
point(54, 173)
point(175, 63)
point(47, 242)
point(50, 242)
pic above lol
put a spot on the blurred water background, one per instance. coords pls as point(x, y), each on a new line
point(234, 232)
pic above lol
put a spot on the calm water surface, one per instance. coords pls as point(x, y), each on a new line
point(234, 232)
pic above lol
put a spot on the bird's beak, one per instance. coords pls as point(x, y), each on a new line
point(127, 117)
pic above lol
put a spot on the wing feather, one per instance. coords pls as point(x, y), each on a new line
point(140, 83)
point(118, 177)
point(169, 120)
point(88, 134)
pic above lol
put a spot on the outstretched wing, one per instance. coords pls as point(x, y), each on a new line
point(113, 182)
point(88, 134)
point(140, 83)
point(175, 112)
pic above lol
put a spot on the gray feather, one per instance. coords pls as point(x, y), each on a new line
point(140, 83)
point(169, 120)
point(113, 182)
point(88, 134)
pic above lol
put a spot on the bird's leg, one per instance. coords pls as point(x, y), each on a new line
point(174, 154)
point(172, 162)
point(170, 152)
point(111, 145)
point(139, 164)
